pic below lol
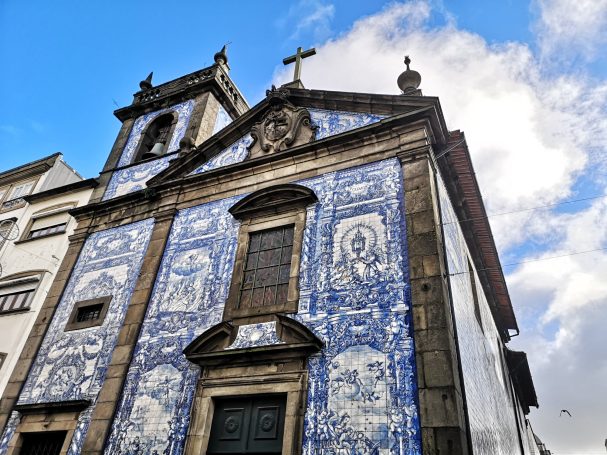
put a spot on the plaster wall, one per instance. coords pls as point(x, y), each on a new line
point(42, 254)
point(492, 409)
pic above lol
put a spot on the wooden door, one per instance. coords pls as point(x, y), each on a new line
point(248, 425)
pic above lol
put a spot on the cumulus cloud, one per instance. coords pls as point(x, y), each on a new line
point(572, 27)
point(534, 136)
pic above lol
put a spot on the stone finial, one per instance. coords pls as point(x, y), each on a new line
point(409, 80)
point(221, 57)
point(146, 84)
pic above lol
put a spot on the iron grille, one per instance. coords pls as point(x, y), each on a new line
point(46, 443)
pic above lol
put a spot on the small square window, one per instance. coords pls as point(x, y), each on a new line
point(88, 313)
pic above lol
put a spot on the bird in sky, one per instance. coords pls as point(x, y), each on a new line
point(564, 410)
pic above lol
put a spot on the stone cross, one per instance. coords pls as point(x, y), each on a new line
point(297, 58)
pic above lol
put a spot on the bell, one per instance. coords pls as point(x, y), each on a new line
point(156, 151)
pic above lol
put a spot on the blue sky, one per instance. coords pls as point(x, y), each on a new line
point(525, 80)
point(67, 63)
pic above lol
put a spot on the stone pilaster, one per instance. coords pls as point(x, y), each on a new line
point(34, 341)
point(112, 161)
point(107, 401)
point(441, 402)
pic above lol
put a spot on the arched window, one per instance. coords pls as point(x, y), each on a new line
point(156, 137)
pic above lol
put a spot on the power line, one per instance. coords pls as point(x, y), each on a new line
point(572, 201)
point(573, 253)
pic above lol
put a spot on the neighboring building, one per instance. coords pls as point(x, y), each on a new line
point(34, 229)
point(315, 274)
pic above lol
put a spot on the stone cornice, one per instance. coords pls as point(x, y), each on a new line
point(212, 78)
point(28, 170)
point(388, 130)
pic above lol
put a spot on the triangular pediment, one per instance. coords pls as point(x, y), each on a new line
point(295, 118)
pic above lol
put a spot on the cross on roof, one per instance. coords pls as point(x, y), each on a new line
point(297, 58)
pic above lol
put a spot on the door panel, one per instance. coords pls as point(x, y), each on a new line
point(248, 425)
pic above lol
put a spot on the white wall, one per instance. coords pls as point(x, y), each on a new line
point(45, 253)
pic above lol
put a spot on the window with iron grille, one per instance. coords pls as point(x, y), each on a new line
point(15, 301)
point(268, 266)
point(43, 443)
point(270, 237)
point(88, 313)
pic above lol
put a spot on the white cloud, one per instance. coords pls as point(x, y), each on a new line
point(533, 136)
point(572, 27)
point(311, 16)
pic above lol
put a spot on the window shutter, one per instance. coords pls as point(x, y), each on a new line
point(50, 220)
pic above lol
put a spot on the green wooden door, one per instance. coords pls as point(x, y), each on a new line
point(248, 425)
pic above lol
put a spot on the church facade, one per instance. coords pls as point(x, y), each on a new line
point(310, 275)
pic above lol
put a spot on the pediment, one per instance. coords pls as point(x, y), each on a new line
point(282, 337)
point(289, 118)
point(273, 199)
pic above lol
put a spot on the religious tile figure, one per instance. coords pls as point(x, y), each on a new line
point(313, 275)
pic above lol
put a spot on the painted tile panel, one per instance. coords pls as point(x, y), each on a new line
point(354, 296)
point(134, 178)
point(490, 406)
point(188, 298)
point(256, 335)
point(223, 119)
point(235, 153)
point(72, 365)
point(329, 123)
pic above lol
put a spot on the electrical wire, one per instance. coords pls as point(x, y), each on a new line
point(530, 209)
point(573, 253)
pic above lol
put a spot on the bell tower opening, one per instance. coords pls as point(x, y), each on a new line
point(155, 139)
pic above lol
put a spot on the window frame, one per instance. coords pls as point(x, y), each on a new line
point(256, 225)
point(17, 280)
point(47, 212)
point(9, 188)
point(73, 323)
point(270, 208)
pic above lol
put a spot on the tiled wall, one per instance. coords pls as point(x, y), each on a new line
point(355, 296)
point(362, 387)
point(223, 119)
point(490, 407)
point(72, 365)
point(188, 297)
point(133, 178)
point(329, 123)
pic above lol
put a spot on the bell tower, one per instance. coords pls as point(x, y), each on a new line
point(167, 120)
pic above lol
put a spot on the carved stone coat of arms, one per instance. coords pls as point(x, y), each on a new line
point(282, 126)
